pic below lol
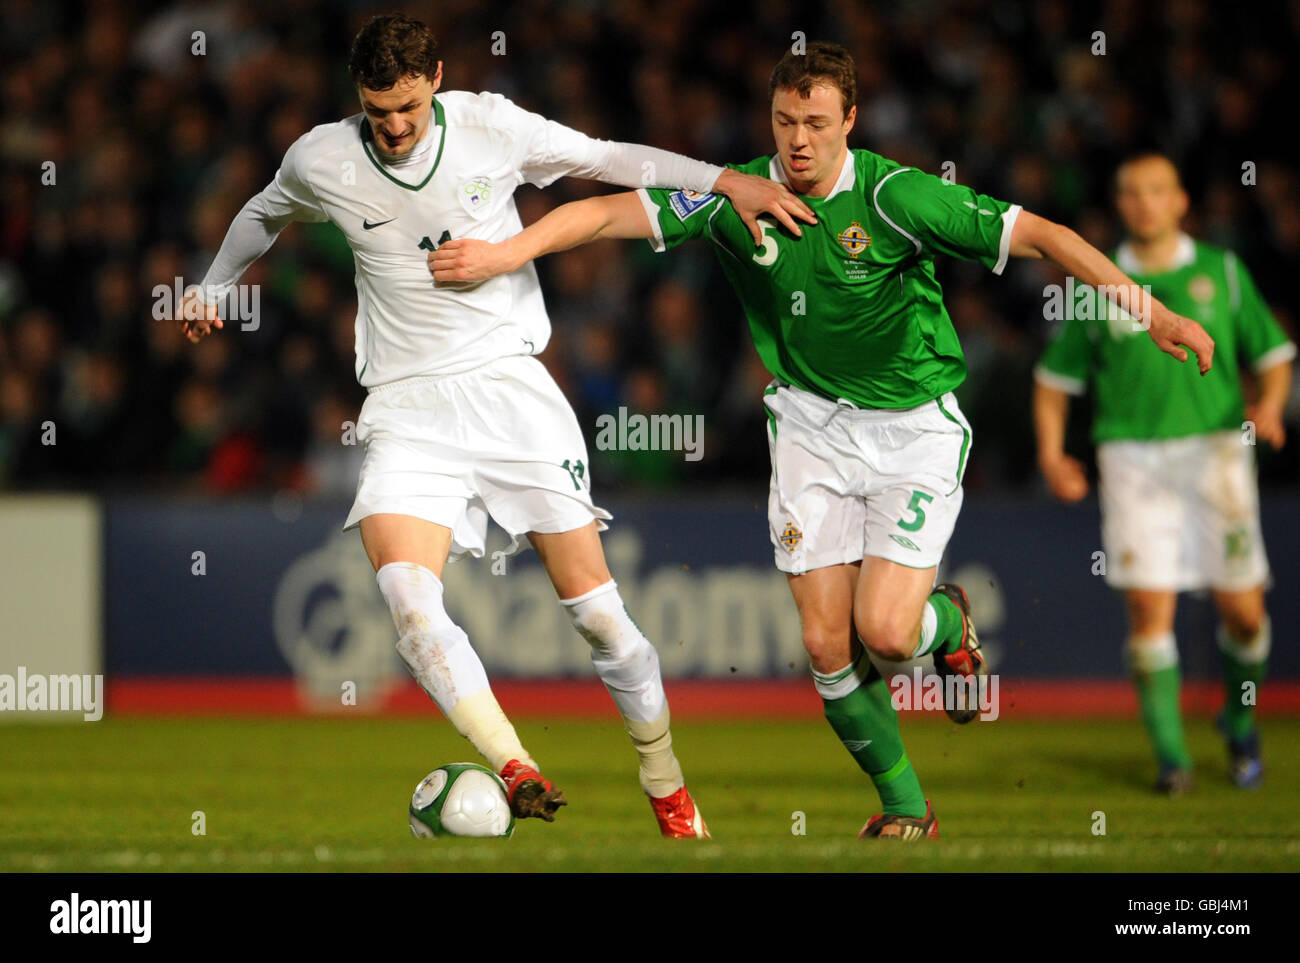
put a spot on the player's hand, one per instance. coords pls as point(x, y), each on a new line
point(753, 196)
point(467, 261)
point(197, 318)
point(1169, 330)
point(1066, 478)
point(1267, 419)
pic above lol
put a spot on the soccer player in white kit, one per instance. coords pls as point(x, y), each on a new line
point(462, 422)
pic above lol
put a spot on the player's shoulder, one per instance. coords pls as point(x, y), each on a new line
point(464, 108)
point(875, 171)
point(763, 166)
point(1215, 257)
point(324, 141)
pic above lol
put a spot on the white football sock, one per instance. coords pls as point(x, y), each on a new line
point(629, 666)
point(1151, 653)
point(1251, 650)
point(438, 653)
point(929, 626)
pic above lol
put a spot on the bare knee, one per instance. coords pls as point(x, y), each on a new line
point(892, 635)
point(1243, 624)
point(829, 648)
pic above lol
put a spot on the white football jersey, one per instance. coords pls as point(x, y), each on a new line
point(486, 146)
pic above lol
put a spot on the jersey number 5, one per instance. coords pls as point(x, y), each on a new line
point(767, 254)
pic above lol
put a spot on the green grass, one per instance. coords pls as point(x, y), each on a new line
point(331, 794)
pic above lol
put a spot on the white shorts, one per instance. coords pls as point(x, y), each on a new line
point(848, 482)
point(1181, 514)
point(499, 440)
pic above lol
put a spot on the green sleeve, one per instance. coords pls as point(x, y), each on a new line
point(1259, 335)
point(944, 218)
point(1067, 362)
point(677, 216)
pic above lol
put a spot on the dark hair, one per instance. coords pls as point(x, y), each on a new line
point(389, 48)
point(824, 63)
point(1140, 155)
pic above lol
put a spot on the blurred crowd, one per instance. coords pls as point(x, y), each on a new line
point(131, 134)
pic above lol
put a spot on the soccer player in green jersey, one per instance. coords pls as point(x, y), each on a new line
point(1178, 495)
point(868, 444)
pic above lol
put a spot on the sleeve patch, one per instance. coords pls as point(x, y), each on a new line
point(686, 203)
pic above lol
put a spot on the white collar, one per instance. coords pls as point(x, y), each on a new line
point(420, 153)
point(848, 174)
point(1184, 255)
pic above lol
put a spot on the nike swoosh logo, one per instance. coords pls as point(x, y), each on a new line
point(366, 225)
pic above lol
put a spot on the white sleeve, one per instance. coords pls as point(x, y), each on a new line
point(547, 150)
point(286, 199)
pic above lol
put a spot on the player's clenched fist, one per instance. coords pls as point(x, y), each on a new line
point(466, 261)
point(1066, 478)
point(1267, 419)
point(197, 318)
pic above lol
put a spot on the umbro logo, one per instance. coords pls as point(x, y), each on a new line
point(368, 226)
point(856, 745)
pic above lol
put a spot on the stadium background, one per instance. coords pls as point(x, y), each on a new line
point(232, 448)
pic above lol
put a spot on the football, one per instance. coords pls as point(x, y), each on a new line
point(461, 799)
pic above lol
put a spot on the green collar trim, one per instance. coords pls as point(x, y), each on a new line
point(367, 136)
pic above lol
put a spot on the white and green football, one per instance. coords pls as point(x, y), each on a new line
point(461, 799)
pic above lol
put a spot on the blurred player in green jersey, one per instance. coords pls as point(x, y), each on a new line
point(1179, 501)
point(867, 442)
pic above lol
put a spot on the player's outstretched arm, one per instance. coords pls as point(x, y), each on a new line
point(1065, 476)
point(467, 261)
point(1037, 237)
point(286, 199)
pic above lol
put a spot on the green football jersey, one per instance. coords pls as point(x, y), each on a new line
point(851, 310)
point(1141, 393)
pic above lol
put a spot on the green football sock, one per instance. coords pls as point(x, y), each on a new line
point(857, 705)
point(947, 626)
point(1244, 661)
point(1154, 664)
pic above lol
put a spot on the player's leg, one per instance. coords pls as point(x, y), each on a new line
point(534, 479)
point(408, 555)
point(1230, 551)
point(855, 697)
point(1244, 638)
point(626, 663)
point(913, 498)
point(901, 614)
point(1146, 520)
point(825, 460)
point(1152, 657)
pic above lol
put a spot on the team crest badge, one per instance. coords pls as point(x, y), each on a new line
point(791, 537)
point(854, 239)
point(1201, 288)
point(475, 195)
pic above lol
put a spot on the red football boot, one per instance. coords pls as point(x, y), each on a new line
point(678, 816)
point(530, 793)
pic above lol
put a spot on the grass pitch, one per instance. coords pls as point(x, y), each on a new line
point(331, 794)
